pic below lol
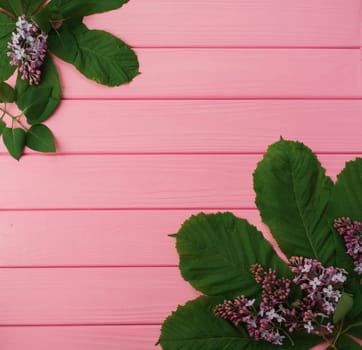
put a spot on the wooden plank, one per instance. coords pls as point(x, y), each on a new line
point(90, 295)
point(202, 23)
point(79, 338)
point(230, 73)
point(82, 338)
point(205, 126)
point(94, 238)
point(130, 182)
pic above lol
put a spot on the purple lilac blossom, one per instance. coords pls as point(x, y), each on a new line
point(322, 287)
point(277, 314)
point(28, 48)
point(351, 231)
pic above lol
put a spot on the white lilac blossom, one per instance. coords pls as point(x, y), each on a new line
point(312, 313)
point(28, 48)
point(351, 231)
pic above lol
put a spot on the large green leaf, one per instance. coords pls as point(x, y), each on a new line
point(47, 18)
point(357, 330)
point(14, 140)
point(292, 193)
point(217, 250)
point(40, 138)
point(98, 55)
point(346, 201)
point(2, 126)
point(80, 8)
point(18, 7)
point(7, 25)
point(353, 286)
point(30, 6)
point(12, 6)
point(7, 93)
point(346, 343)
point(6, 70)
point(195, 327)
point(344, 305)
point(346, 197)
point(39, 102)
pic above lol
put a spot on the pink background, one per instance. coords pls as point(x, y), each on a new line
point(86, 263)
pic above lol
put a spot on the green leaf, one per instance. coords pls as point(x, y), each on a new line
point(80, 8)
point(98, 55)
point(195, 327)
point(343, 307)
point(7, 93)
point(63, 43)
point(7, 25)
point(2, 126)
point(12, 6)
point(356, 331)
point(346, 197)
point(46, 18)
point(346, 201)
point(217, 250)
point(14, 140)
point(39, 102)
point(292, 193)
point(30, 6)
point(7, 70)
point(40, 138)
point(347, 343)
point(18, 7)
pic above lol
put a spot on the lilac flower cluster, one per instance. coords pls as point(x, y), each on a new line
point(28, 49)
point(278, 315)
point(322, 288)
point(265, 323)
point(351, 231)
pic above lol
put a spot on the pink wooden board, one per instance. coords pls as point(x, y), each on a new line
point(135, 182)
point(231, 73)
point(91, 295)
point(96, 238)
point(262, 23)
point(197, 127)
point(79, 337)
point(85, 260)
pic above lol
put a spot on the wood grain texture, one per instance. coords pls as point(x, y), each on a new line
point(205, 126)
point(85, 260)
point(82, 338)
point(201, 23)
point(230, 73)
point(79, 338)
point(94, 238)
point(90, 295)
point(122, 181)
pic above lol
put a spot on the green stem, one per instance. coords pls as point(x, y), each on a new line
point(21, 124)
point(39, 7)
point(340, 330)
point(288, 336)
point(330, 344)
point(14, 118)
point(352, 326)
point(4, 112)
point(22, 8)
point(6, 13)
